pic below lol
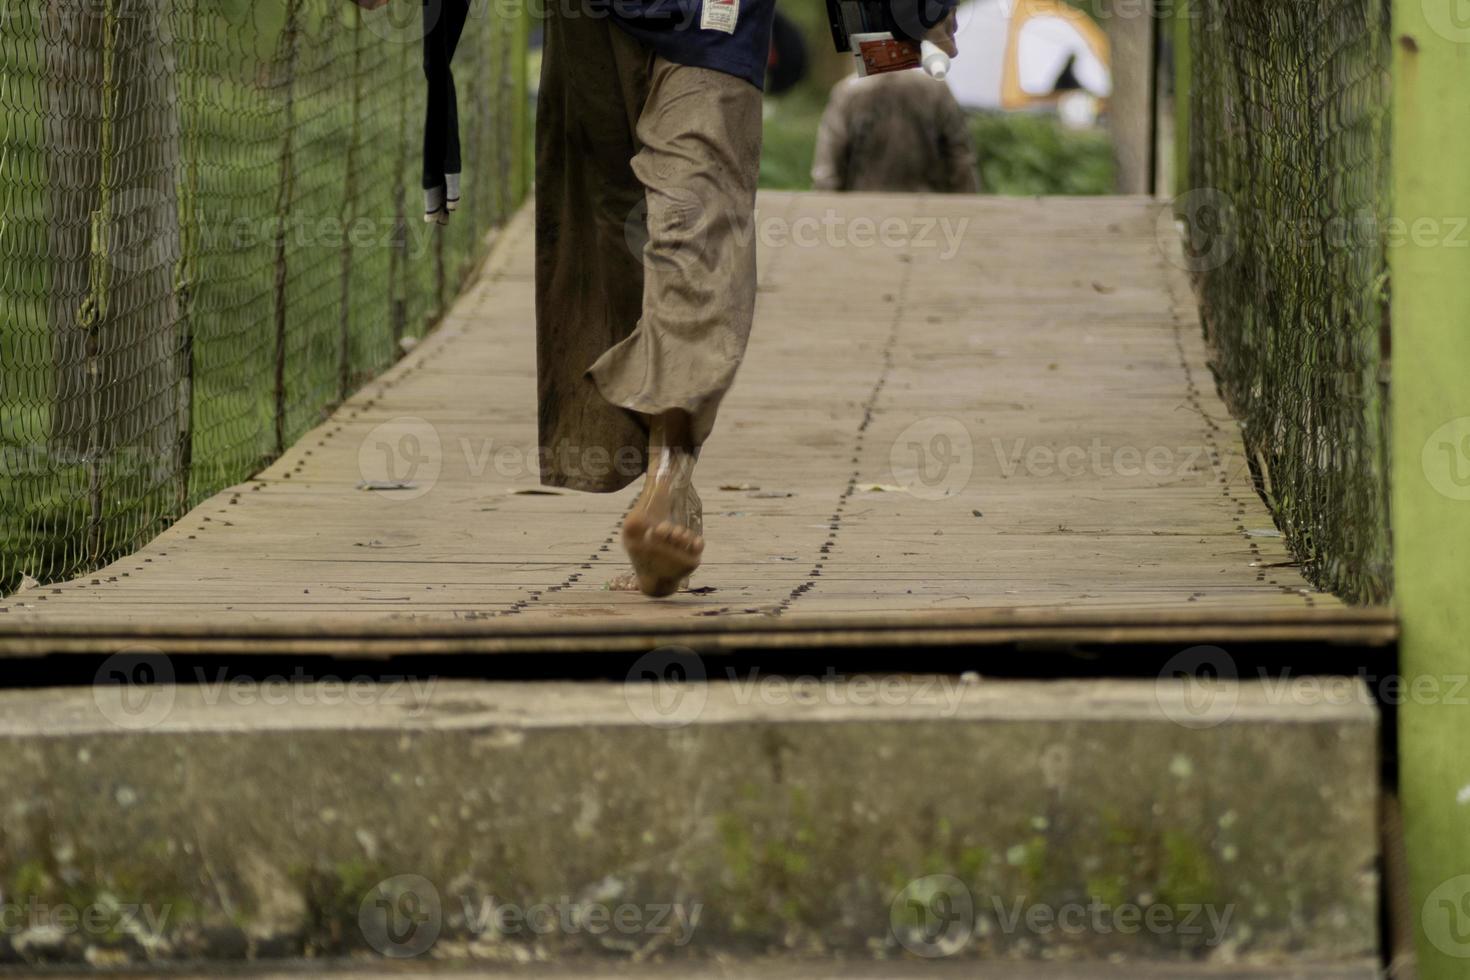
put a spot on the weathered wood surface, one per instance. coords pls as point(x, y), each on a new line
point(1057, 350)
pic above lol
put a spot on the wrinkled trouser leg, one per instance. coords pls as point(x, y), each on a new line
point(646, 276)
point(700, 156)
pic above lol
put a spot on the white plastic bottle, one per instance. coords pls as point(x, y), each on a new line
point(936, 62)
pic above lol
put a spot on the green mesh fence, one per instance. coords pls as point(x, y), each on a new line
point(1287, 227)
point(210, 233)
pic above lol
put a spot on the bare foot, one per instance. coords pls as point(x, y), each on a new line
point(663, 534)
point(690, 514)
point(663, 556)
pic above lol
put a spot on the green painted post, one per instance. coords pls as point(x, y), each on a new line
point(1430, 265)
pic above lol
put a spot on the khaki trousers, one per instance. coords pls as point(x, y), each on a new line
point(646, 176)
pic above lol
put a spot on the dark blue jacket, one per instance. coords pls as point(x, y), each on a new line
point(732, 36)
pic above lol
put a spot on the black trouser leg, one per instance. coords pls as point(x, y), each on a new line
point(455, 14)
point(444, 22)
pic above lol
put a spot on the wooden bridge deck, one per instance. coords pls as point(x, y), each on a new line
point(1081, 480)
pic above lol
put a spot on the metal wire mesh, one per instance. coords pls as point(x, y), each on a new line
point(210, 234)
point(1288, 229)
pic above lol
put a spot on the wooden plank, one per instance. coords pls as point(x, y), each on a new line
point(713, 635)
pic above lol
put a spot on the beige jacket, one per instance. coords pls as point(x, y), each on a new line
point(897, 132)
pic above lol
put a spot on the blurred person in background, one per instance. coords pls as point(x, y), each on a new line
point(901, 132)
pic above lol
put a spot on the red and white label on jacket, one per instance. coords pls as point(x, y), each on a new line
point(720, 15)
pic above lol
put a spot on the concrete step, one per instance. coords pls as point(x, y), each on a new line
point(893, 820)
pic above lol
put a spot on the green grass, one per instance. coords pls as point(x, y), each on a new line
point(791, 137)
point(1019, 154)
point(1024, 154)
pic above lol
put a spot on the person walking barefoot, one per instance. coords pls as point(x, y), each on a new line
point(663, 534)
point(648, 148)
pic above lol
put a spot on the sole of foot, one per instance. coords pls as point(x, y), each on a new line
point(664, 554)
